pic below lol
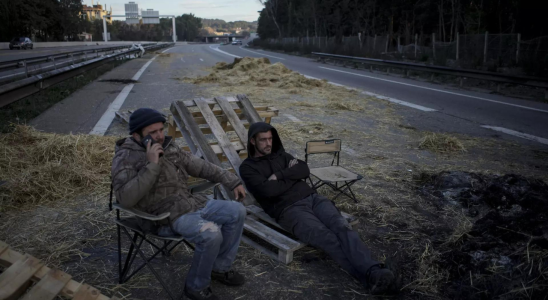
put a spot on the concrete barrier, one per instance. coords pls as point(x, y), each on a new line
point(76, 44)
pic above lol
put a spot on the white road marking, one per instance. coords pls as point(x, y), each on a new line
point(183, 60)
point(201, 59)
point(166, 50)
point(518, 134)
point(438, 90)
point(262, 54)
point(393, 100)
point(292, 118)
point(226, 53)
point(102, 125)
point(419, 107)
point(106, 119)
point(143, 68)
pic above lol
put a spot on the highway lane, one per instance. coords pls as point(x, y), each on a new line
point(483, 109)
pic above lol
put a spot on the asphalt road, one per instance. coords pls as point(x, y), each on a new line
point(483, 109)
point(426, 106)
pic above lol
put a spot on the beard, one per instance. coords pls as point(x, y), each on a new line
point(264, 151)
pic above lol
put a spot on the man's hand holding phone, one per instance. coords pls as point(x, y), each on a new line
point(154, 150)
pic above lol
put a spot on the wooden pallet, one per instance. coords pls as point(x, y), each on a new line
point(26, 277)
point(190, 125)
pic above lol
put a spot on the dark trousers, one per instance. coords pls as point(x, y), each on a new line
point(315, 220)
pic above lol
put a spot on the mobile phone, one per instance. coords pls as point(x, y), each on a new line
point(148, 138)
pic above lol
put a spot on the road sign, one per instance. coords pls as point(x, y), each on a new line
point(150, 16)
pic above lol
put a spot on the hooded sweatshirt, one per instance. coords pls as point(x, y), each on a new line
point(160, 188)
point(289, 187)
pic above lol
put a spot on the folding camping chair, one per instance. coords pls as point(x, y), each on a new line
point(133, 223)
point(333, 175)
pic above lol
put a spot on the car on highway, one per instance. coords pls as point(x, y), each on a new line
point(21, 43)
point(236, 42)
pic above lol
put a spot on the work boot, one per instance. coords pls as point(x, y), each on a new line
point(380, 281)
point(205, 294)
point(231, 277)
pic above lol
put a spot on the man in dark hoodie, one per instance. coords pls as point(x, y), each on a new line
point(277, 180)
point(152, 177)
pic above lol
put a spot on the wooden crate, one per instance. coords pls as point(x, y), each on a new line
point(26, 277)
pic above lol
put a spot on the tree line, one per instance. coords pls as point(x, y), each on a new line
point(60, 20)
point(446, 18)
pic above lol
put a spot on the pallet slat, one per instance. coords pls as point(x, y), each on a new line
point(49, 286)
point(9, 257)
point(251, 114)
point(203, 146)
point(233, 119)
point(17, 275)
point(271, 236)
point(86, 292)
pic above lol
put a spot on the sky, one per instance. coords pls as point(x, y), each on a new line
point(228, 10)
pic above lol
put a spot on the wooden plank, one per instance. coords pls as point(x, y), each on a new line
point(86, 292)
point(271, 236)
point(9, 257)
point(190, 103)
point(250, 112)
point(261, 248)
point(49, 286)
point(17, 275)
point(233, 119)
point(195, 133)
point(182, 129)
point(200, 139)
point(217, 112)
point(241, 116)
point(224, 142)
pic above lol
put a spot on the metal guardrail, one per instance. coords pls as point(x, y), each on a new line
point(17, 90)
point(25, 62)
point(489, 76)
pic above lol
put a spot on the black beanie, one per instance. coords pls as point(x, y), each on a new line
point(143, 117)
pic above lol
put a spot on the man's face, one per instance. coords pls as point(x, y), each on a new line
point(155, 130)
point(262, 143)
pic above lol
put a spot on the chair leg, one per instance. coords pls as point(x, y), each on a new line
point(146, 262)
point(119, 254)
point(131, 256)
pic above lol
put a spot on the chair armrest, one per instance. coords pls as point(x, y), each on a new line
point(141, 214)
point(202, 187)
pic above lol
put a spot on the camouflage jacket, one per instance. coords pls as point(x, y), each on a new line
point(160, 188)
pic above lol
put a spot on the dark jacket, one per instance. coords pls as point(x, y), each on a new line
point(274, 195)
point(160, 188)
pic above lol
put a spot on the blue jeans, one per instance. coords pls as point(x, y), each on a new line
point(216, 231)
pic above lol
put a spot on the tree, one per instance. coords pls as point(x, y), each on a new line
point(188, 27)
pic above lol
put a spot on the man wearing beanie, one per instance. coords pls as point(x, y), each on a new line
point(153, 178)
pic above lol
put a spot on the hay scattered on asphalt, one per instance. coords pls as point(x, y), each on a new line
point(44, 167)
point(344, 105)
point(259, 72)
point(441, 143)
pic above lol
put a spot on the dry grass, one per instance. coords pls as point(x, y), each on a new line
point(441, 143)
point(44, 167)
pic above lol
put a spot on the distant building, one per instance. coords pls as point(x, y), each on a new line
point(95, 12)
point(132, 13)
